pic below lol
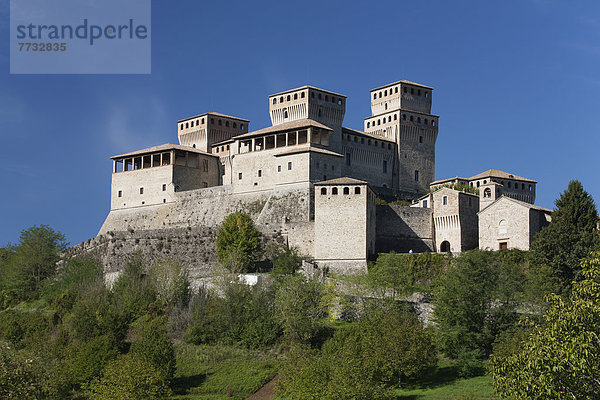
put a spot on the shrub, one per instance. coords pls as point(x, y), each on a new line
point(129, 377)
point(152, 345)
point(286, 260)
point(21, 375)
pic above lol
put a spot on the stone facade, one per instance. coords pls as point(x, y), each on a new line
point(510, 224)
point(306, 181)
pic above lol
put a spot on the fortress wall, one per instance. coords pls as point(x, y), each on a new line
point(401, 229)
point(208, 207)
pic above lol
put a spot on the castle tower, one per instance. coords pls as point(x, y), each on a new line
point(202, 131)
point(308, 102)
point(401, 111)
point(344, 225)
point(489, 193)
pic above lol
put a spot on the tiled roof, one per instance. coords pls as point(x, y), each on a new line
point(216, 114)
point(402, 81)
point(519, 202)
point(369, 135)
point(162, 147)
point(304, 149)
point(307, 87)
point(300, 123)
point(342, 181)
point(495, 173)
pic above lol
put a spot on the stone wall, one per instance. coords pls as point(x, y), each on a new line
point(401, 229)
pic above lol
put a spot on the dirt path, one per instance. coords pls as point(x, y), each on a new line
point(266, 392)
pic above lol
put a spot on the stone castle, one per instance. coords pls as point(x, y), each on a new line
point(311, 183)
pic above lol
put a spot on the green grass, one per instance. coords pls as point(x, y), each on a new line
point(220, 372)
point(445, 384)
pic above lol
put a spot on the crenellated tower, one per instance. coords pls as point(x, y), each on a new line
point(401, 111)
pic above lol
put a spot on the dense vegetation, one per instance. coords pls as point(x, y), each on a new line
point(65, 334)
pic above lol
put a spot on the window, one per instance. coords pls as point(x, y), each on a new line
point(411, 118)
point(404, 117)
point(368, 124)
point(419, 120)
point(334, 191)
point(502, 227)
point(502, 245)
point(259, 173)
point(348, 159)
point(290, 166)
point(302, 95)
point(323, 191)
point(181, 128)
point(317, 164)
point(326, 98)
point(416, 176)
point(396, 89)
point(281, 99)
point(346, 190)
point(412, 91)
point(234, 125)
point(419, 92)
point(470, 202)
point(274, 100)
point(220, 122)
point(385, 166)
point(164, 187)
point(395, 117)
point(357, 190)
point(202, 121)
point(445, 200)
point(289, 97)
point(141, 190)
point(187, 125)
point(405, 89)
point(420, 139)
point(295, 96)
point(385, 92)
point(227, 124)
point(374, 96)
point(424, 203)
point(522, 186)
point(205, 165)
point(279, 168)
point(487, 193)
point(285, 113)
point(240, 176)
point(120, 193)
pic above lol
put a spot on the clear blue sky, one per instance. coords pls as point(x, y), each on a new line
point(516, 87)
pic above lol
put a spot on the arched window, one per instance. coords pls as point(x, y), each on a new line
point(274, 100)
point(302, 95)
point(411, 118)
point(334, 191)
point(326, 98)
point(187, 125)
point(395, 117)
point(323, 191)
point(419, 120)
point(295, 96)
point(357, 190)
point(281, 99)
point(374, 96)
point(487, 192)
point(368, 124)
point(386, 106)
point(445, 247)
point(502, 227)
point(346, 190)
point(289, 97)
point(508, 184)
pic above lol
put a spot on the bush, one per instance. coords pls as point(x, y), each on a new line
point(152, 345)
point(129, 377)
point(366, 360)
point(300, 308)
point(171, 283)
point(286, 260)
point(87, 360)
point(21, 375)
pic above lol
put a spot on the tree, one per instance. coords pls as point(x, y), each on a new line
point(22, 376)
point(152, 344)
point(129, 377)
point(300, 308)
point(476, 300)
point(286, 260)
point(569, 237)
point(34, 260)
point(560, 358)
point(239, 244)
point(362, 361)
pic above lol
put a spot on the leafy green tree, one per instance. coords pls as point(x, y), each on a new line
point(152, 344)
point(73, 278)
point(239, 244)
point(300, 308)
point(132, 293)
point(559, 358)
point(286, 260)
point(86, 360)
point(477, 299)
point(21, 375)
point(171, 282)
point(363, 361)
point(570, 237)
point(34, 260)
point(127, 378)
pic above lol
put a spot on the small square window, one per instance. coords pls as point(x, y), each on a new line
point(259, 173)
point(240, 176)
point(120, 193)
point(164, 187)
point(141, 190)
point(289, 166)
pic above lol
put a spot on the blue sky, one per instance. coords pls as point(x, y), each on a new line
point(516, 83)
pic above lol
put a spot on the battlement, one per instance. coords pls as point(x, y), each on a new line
point(401, 95)
point(307, 102)
point(202, 131)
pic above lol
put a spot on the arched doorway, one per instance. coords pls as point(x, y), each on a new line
point(445, 246)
